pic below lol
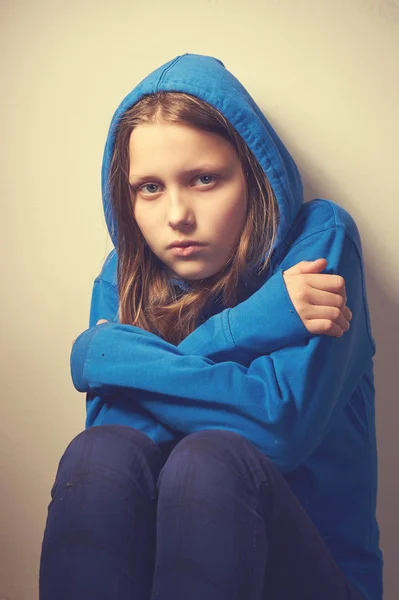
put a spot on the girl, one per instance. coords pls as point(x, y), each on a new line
point(229, 450)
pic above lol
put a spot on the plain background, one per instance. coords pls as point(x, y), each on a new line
point(325, 72)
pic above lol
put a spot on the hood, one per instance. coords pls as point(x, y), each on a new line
point(207, 78)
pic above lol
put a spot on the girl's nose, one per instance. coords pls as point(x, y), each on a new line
point(179, 212)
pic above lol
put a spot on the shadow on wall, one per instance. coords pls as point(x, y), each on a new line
point(385, 323)
point(384, 310)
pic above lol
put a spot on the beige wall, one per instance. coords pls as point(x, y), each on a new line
point(326, 74)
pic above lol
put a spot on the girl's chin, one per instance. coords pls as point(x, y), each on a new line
point(194, 277)
point(195, 274)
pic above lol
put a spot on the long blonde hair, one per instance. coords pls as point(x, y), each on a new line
point(148, 298)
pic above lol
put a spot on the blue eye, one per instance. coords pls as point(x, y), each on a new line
point(150, 185)
point(206, 177)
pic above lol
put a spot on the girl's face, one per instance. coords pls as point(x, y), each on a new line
point(188, 187)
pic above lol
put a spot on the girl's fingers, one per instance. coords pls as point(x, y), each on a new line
point(320, 298)
point(327, 283)
point(324, 327)
point(326, 313)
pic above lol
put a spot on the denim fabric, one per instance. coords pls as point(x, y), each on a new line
point(207, 518)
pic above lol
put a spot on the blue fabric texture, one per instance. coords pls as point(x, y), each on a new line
point(305, 401)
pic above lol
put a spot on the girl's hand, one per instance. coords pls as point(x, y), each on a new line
point(319, 299)
point(98, 323)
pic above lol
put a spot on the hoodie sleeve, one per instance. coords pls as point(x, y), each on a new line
point(235, 333)
point(283, 402)
point(104, 302)
point(262, 324)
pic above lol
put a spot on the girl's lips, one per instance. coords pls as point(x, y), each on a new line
point(186, 250)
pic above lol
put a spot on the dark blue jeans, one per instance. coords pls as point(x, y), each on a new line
point(208, 519)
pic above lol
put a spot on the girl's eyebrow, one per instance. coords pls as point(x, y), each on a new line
point(135, 178)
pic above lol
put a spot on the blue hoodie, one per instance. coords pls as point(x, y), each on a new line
point(306, 401)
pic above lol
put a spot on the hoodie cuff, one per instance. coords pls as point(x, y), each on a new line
point(79, 355)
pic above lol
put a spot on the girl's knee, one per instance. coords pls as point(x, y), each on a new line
point(214, 460)
point(99, 433)
point(100, 440)
point(103, 449)
point(207, 455)
point(213, 442)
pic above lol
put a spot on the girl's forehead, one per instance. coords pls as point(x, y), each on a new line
point(172, 129)
point(177, 141)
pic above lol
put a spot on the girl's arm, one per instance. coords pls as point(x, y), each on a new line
point(283, 402)
point(261, 324)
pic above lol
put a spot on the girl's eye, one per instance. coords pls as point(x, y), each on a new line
point(153, 188)
point(206, 179)
point(150, 187)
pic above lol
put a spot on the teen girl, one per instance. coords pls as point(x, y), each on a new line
point(229, 450)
